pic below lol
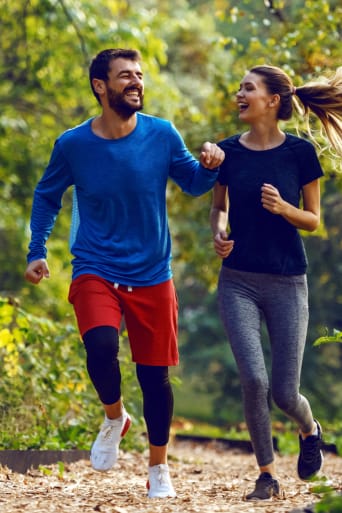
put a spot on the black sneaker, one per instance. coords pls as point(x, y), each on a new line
point(310, 458)
point(265, 488)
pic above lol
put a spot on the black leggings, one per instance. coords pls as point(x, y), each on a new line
point(102, 347)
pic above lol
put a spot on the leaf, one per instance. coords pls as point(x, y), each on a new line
point(336, 337)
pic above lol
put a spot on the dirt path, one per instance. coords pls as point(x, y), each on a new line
point(208, 479)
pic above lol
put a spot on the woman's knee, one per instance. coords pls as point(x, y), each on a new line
point(286, 400)
point(255, 386)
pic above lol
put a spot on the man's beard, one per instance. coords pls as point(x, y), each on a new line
point(123, 108)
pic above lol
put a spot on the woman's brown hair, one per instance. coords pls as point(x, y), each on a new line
point(322, 96)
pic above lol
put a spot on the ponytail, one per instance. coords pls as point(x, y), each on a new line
point(323, 97)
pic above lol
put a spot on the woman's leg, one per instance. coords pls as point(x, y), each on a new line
point(286, 313)
point(241, 316)
point(287, 319)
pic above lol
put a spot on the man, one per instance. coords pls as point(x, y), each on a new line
point(119, 163)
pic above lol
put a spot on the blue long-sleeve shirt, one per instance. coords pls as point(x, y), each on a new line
point(123, 232)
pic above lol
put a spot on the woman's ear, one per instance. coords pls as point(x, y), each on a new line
point(275, 100)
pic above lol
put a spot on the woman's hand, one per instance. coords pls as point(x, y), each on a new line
point(223, 247)
point(306, 218)
point(271, 199)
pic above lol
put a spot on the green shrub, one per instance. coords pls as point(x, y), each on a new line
point(46, 398)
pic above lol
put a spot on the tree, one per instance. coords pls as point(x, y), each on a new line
point(195, 53)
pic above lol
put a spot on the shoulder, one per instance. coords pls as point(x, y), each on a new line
point(156, 131)
point(298, 143)
point(75, 132)
point(230, 143)
point(149, 121)
point(305, 156)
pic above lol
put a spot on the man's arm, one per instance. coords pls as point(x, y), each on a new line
point(192, 176)
point(47, 202)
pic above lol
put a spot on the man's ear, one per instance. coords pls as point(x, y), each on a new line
point(99, 86)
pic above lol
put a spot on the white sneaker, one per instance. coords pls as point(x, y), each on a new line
point(105, 449)
point(159, 483)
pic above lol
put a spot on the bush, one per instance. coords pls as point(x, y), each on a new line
point(46, 398)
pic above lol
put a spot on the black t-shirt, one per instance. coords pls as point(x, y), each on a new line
point(265, 242)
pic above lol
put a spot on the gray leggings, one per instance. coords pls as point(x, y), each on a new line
point(282, 301)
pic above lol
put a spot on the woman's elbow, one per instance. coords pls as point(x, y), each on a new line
point(313, 224)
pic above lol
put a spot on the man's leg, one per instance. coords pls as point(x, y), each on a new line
point(102, 346)
point(158, 410)
point(151, 321)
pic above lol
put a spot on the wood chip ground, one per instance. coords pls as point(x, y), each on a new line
point(208, 479)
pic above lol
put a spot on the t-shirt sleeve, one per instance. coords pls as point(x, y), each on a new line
point(310, 167)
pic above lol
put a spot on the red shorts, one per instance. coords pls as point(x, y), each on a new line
point(150, 313)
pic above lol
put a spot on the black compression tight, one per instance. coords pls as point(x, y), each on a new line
point(158, 402)
point(102, 347)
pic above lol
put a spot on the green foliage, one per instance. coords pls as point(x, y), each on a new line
point(335, 337)
point(208, 430)
point(47, 400)
point(194, 55)
point(332, 503)
point(285, 433)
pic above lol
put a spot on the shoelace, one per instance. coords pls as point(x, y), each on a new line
point(310, 448)
point(162, 476)
point(107, 431)
point(264, 481)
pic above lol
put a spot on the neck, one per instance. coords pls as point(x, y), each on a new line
point(111, 126)
point(263, 137)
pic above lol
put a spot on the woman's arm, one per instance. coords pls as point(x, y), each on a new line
point(219, 221)
point(307, 218)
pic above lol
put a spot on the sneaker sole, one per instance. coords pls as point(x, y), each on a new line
point(269, 499)
point(255, 499)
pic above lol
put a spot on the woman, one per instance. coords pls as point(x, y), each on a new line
point(267, 189)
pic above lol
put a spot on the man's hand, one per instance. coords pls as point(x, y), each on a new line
point(223, 247)
point(211, 155)
point(36, 270)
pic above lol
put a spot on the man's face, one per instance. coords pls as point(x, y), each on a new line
point(125, 87)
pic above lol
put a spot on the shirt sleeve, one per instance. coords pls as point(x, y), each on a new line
point(310, 167)
point(47, 201)
point(186, 171)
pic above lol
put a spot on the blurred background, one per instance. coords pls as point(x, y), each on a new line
point(195, 53)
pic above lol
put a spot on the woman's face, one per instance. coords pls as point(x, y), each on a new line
point(253, 100)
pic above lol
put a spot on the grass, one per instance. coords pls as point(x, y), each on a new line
point(286, 433)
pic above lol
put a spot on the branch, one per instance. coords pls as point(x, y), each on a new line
point(269, 4)
point(77, 30)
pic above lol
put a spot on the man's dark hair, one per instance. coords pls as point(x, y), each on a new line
point(99, 66)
